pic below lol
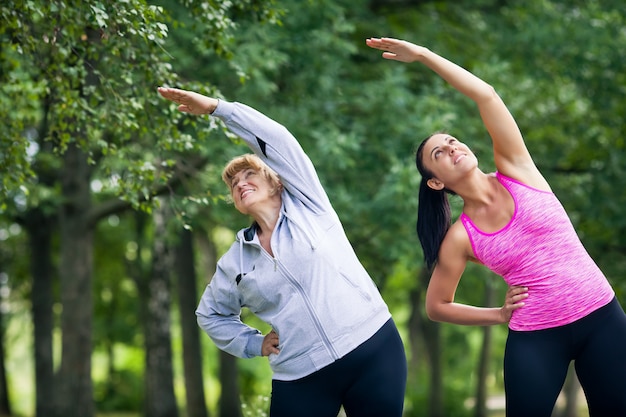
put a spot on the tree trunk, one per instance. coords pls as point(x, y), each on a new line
point(159, 400)
point(75, 390)
point(39, 228)
point(417, 360)
point(432, 332)
point(5, 406)
point(230, 401)
point(432, 341)
point(571, 388)
point(480, 409)
point(187, 301)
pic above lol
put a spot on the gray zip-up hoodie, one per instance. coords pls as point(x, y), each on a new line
point(314, 292)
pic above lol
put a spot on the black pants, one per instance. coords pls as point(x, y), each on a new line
point(536, 363)
point(369, 381)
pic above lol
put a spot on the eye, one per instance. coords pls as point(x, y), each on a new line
point(437, 153)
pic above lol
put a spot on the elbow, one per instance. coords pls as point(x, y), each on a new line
point(487, 94)
point(203, 322)
point(434, 316)
point(433, 312)
point(431, 316)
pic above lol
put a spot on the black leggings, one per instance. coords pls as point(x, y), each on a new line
point(369, 381)
point(536, 363)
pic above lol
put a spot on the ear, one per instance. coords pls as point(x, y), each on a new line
point(435, 184)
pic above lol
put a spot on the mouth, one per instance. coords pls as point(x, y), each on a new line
point(458, 158)
point(245, 193)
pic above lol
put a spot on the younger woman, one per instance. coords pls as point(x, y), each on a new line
point(560, 307)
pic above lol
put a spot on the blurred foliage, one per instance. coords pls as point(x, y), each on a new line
point(559, 65)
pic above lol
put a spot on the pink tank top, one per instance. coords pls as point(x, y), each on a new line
point(540, 249)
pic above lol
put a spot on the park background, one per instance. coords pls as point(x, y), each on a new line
point(112, 211)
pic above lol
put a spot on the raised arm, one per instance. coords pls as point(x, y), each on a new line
point(510, 153)
point(267, 138)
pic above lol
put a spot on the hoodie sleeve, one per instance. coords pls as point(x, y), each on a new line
point(219, 315)
point(279, 149)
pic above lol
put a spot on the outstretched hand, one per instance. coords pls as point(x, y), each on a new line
point(396, 49)
point(513, 300)
point(270, 344)
point(189, 101)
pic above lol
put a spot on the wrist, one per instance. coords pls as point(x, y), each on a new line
point(210, 105)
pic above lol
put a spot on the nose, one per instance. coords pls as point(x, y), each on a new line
point(240, 183)
point(240, 187)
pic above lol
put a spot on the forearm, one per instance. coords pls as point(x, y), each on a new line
point(219, 315)
point(459, 78)
point(231, 335)
point(463, 314)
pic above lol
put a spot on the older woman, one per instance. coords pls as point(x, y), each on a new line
point(333, 342)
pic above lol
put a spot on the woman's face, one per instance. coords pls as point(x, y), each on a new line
point(252, 191)
point(448, 159)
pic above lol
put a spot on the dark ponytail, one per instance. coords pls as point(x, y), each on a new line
point(433, 212)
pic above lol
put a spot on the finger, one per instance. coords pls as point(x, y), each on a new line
point(376, 43)
point(518, 300)
point(517, 290)
point(516, 306)
point(521, 291)
point(168, 90)
point(171, 93)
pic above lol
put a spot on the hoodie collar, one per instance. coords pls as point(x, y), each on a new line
point(248, 234)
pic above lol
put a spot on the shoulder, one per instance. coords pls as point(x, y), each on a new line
point(453, 255)
point(456, 243)
point(457, 233)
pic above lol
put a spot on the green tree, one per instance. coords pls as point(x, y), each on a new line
point(558, 65)
point(82, 78)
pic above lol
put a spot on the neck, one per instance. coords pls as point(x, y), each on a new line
point(478, 190)
point(266, 219)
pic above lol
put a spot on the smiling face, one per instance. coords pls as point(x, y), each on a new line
point(446, 159)
point(249, 189)
point(254, 187)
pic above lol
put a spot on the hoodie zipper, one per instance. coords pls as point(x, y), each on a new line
point(300, 289)
point(295, 283)
point(308, 303)
point(290, 277)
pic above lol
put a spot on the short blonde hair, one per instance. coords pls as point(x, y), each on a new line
point(250, 161)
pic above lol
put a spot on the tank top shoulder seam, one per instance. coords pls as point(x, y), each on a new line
point(501, 176)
